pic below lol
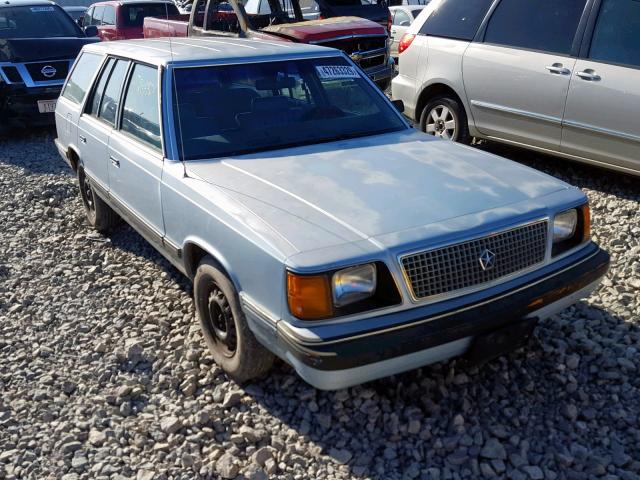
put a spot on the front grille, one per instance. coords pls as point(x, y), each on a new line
point(370, 62)
point(357, 44)
point(12, 74)
point(457, 267)
point(36, 69)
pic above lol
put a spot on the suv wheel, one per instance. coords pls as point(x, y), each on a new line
point(445, 118)
point(99, 214)
point(231, 342)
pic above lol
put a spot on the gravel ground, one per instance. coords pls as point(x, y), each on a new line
point(104, 373)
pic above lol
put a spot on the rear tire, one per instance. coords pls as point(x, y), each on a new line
point(444, 117)
point(224, 326)
point(99, 215)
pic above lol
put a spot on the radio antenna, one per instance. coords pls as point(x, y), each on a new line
point(175, 93)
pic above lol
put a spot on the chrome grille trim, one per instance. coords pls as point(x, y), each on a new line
point(455, 269)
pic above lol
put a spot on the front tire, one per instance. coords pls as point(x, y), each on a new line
point(99, 215)
point(224, 326)
point(444, 117)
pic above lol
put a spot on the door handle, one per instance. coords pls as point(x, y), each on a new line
point(589, 75)
point(82, 139)
point(558, 68)
point(115, 162)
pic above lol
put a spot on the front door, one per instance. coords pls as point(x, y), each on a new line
point(518, 76)
point(601, 119)
point(135, 153)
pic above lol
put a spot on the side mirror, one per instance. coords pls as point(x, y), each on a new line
point(406, 23)
point(399, 104)
point(91, 31)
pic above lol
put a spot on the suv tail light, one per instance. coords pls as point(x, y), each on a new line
point(405, 42)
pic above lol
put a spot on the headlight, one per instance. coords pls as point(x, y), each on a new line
point(341, 292)
point(570, 229)
point(353, 284)
point(564, 225)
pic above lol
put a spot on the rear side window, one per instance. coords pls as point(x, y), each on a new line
point(80, 79)
point(109, 17)
point(111, 97)
point(133, 15)
point(93, 107)
point(140, 116)
point(459, 19)
point(616, 38)
point(401, 17)
point(545, 25)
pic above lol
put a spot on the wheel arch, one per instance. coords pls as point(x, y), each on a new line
point(74, 158)
point(194, 250)
point(434, 89)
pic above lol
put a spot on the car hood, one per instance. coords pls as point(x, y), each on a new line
point(41, 49)
point(348, 191)
point(314, 31)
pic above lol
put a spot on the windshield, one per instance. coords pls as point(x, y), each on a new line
point(230, 110)
point(43, 21)
point(134, 14)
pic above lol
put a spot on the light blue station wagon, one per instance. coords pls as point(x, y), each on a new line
point(316, 224)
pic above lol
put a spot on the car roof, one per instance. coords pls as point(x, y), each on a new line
point(192, 50)
point(25, 3)
point(75, 9)
point(125, 2)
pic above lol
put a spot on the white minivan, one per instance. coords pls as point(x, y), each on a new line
point(560, 77)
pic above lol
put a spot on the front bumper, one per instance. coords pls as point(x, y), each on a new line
point(433, 333)
point(381, 75)
point(19, 104)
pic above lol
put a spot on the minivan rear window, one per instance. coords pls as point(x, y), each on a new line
point(134, 14)
point(458, 19)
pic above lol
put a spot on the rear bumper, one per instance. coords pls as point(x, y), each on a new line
point(19, 104)
point(420, 338)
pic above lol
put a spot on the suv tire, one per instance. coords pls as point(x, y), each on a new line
point(444, 117)
point(224, 326)
point(99, 214)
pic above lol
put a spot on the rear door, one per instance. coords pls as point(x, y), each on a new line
point(601, 120)
point(98, 120)
point(136, 154)
point(517, 76)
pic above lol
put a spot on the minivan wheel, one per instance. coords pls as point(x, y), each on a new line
point(99, 214)
point(445, 118)
point(224, 326)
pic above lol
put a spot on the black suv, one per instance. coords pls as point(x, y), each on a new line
point(38, 44)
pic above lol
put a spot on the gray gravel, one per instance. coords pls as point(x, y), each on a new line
point(104, 374)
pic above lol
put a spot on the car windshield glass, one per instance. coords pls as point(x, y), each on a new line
point(355, 3)
point(230, 110)
point(41, 21)
point(134, 14)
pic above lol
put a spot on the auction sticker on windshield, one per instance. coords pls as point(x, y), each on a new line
point(336, 71)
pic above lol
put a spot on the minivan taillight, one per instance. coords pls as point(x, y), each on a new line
point(405, 42)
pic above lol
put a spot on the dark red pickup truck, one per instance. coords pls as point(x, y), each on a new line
point(364, 40)
point(122, 19)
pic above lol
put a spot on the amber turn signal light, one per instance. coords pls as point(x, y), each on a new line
point(586, 222)
point(309, 296)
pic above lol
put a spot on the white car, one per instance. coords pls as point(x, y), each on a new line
point(556, 77)
point(401, 18)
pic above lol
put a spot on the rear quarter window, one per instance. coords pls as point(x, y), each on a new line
point(80, 79)
point(458, 19)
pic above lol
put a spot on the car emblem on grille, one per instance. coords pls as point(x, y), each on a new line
point(487, 259)
point(48, 71)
